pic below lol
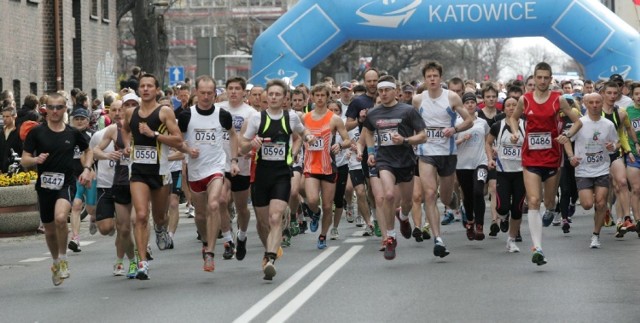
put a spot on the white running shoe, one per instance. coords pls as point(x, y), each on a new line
point(118, 269)
point(595, 242)
point(511, 245)
point(334, 234)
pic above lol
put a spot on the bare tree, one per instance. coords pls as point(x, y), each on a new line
point(151, 39)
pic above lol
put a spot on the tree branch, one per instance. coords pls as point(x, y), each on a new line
point(123, 7)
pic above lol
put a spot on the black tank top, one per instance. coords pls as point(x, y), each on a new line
point(278, 131)
point(613, 117)
point(154, 123)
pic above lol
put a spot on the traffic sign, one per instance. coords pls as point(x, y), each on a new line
point(176, 74)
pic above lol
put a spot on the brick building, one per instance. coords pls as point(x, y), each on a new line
point(88, 46)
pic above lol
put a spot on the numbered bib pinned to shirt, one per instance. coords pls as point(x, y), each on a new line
point(317, 145)
point(635, 123)
point(147, 155)
point(594, 158)
point(435, 134)
point(273, 151)
point(52, 181)
point(510, 152)
point(205, 136)
point(539, 140)
point(386, 136)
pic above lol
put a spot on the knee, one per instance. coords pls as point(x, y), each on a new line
point(275, 220)
point(430, 195)
point(601, 205)
point(388, 196)
point(60, 220)
point(533, 201)
point(587, 205)
point(214, 206)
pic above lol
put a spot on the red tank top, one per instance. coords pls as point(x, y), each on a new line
point(317, 157)
point(543, 124)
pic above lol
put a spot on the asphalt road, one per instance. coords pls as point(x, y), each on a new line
point(348, 282)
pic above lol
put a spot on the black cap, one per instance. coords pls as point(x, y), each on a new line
point(469, 96)
point(80, 112)
point(617, 78)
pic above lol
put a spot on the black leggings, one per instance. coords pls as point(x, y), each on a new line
point(568, 188)
point(510, 194)
point(472, 183)
point(341, 185)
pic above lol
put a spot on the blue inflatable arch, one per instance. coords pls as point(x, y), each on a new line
point(585, 29)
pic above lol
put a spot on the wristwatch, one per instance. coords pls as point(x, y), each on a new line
point(405, 140)
point(156, 134)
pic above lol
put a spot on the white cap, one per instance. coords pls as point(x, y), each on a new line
point(249, 87)
point(131, 96)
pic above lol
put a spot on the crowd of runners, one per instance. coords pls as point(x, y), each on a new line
point(303, 158)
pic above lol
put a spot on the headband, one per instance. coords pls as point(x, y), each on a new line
point(386, 84)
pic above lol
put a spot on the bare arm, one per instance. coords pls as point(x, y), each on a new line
point(456, 105)
point(109, 135)
point(174, 137)
point(514, 120)
point(488, 149)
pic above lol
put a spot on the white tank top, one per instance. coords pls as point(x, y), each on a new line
point(206, 134)
point(509, 154)
point(239, 116)
point(354, 163)
point(437, 115)
point(106, 168)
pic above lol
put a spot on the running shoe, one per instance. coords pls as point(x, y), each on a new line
point(480, 233)
point(368, 231)
point(628, 224)
point(306, 211)
point(538, 257)
point(359, 221)
point(493, 230)
point(149, 254)
point(565, 225)
point(74, 244)
point(286, 241)
point(417, 234)
point(426, 232)
point(64, 269)
point(169, 240)
point(229, 250)
point(383, 247)
point(209, 264)
point(525, 207)
point(334, 234)
point(191, 212)
point(303, 227)
point(133, 269)
point(349, 215)
point(557, 219)
point(315, 221)
point(471, 233)
point(118, 269)
point(504, 225)
point(547, 218)
point(405, 226)
point(518, 237)
point(55, 275)
point(279, 253)
point(595, 241)
point(241, 249)
point(390, 248)
point(608, 221)
point(161, 238)
point(620, 231)
point(376, 229)
point(93, 228)
point(143, 271)
point(268, 268)
point(572, 210)
point(322, 242)
point(511, 245)
point(463, 215)
point(294, 228)
point(439, 249)
point(447, 217)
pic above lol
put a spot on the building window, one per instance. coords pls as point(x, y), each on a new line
point(33, 88)
point(180, 36)
point(94, 9)
point(33, 2)
point(16, 92)
point(209, 3)
point(105, 11)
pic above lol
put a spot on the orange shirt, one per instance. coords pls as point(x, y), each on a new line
point(317, 156)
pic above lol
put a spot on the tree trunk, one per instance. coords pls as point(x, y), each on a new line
point(151, 39)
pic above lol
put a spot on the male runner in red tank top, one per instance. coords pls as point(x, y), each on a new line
point(541, 152)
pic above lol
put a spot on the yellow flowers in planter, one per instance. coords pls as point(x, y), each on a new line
point(22, 178)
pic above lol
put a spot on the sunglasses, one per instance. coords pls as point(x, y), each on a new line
point(335, 92)
point(56, 107)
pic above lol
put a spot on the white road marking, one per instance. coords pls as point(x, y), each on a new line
point(355, 240)
point(258, 307)
point(36, 259)
point(86, 243)
point(357, 233)
point(299, 300)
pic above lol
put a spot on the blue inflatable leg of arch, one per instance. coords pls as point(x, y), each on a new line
point(312, 29)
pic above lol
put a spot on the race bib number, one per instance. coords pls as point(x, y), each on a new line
point(435, 134)
point(52, 181)
point(273, 151)
point(539, 140)
point(205, 136)
point(124, 160)
point(635, 123)
point(225, 135)
point(510, 152)
point(594, 158)
point(317, 145)
point(145, 155)
point(76, 152)
point(386, 135)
